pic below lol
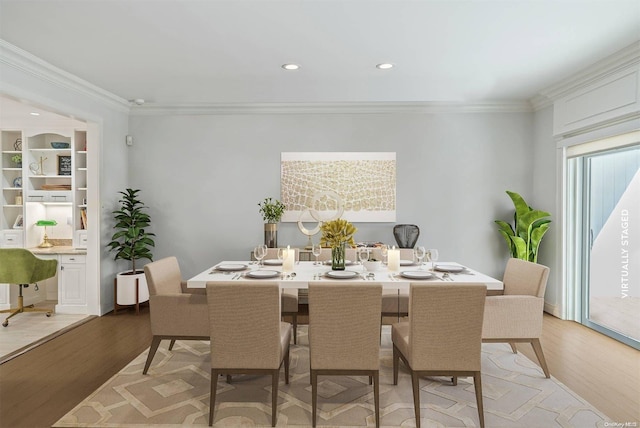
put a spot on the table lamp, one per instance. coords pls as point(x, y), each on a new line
point(45, 223)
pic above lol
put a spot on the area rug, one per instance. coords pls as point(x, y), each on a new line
point(176, 393)
point(31, 329)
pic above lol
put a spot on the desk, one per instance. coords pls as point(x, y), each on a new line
point(308, 272)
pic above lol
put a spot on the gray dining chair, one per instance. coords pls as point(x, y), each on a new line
point(443, 336)
point(176, 311)
point(344, 333)
point(247, 335)
point(516, 316)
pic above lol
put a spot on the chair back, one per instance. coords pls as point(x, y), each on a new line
point(244, 319)
point(525, 278)
point(21, 266)
point(445, 326)
point(344, 325)
point(163, 276)
point(406, 235)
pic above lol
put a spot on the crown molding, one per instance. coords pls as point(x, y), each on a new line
point(623, 59)
point(330, 108)
point(14, 57)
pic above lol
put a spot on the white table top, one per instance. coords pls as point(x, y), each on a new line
point(306, 272)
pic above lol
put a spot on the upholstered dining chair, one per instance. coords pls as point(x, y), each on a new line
point(406, 235)
point(443, 336)
point(176, 313)
point(247, 335)
point(21, 267)
point(344, 323)
point(395, 303)
point(289, 297)
point(516, 316)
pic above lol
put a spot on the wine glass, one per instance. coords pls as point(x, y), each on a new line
point(433, 257)
point(363, 255)
point(316, 250)
point(384, 252)
point(259, 252)
point(280, 254)
point(419, 253)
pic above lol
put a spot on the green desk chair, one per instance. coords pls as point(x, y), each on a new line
point(21, 267)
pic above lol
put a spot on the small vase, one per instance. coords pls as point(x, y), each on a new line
point(271, 235)
point(337, 257)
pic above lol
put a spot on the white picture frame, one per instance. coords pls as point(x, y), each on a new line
point(19, 223)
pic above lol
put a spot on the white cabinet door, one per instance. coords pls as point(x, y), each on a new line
point(72, 290)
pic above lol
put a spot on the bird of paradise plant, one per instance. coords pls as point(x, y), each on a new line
point(529, 226)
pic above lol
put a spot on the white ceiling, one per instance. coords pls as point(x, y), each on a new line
point(189, 52)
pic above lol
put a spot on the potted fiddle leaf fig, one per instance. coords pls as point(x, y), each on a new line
point(272, 211)
point(529, 226)
point(131, 242)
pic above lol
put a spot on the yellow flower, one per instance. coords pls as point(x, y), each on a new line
point(335, 232)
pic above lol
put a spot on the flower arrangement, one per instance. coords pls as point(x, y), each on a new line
point(16, 158)
point(271, 210)
point(335, 232)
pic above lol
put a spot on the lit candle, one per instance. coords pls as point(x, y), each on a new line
point(394, 260)
point(288, 260)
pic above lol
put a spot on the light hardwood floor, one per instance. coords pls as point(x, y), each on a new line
point(39, 387)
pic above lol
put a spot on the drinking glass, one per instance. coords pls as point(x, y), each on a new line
point(316, 250)
point(363, 255)
point(433, 257)
point(419, 252)
point(259, 252)
point(280, 254)
point(384, 251)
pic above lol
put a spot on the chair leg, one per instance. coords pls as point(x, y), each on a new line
point(286, 367)
point(173, 342)
point(396, 361)
point(477, 383)
point(454, 380)
point(537, 348)
point(295, 329)
point(513, 347)
point(415, 383)
point(376, 395)
point(212, 397)
point(274, 396)
point(314, 396)
point(155, 342)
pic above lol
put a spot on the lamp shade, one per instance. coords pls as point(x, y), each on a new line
point(46, 223)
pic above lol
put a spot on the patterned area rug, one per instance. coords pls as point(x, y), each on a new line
point(176, 393)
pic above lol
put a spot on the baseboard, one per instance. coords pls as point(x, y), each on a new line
point(553, 310)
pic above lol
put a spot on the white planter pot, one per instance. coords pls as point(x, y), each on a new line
point(126, 285)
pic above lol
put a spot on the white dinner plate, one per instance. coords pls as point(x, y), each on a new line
point(261, 274)
point(406, 262)
point(273, 262)
point(229, 267)
point(416, 274)
point(346, 262)
point(342, 274)
point(449, 268)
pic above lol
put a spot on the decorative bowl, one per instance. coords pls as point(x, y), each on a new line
point(60, 145)
point(372, 266)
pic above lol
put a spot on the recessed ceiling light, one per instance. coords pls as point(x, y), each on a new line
point(290, 66)
point(384, 66)
point(33, 113)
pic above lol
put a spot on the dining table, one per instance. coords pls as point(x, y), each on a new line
point(304, 272)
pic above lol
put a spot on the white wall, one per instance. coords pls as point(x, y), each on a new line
point(203, 176)
point(546, 173)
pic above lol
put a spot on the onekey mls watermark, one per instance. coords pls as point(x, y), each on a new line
point(621, 424)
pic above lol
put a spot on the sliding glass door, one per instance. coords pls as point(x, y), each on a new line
point(605, 192)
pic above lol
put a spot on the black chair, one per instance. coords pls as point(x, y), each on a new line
point(406, 235)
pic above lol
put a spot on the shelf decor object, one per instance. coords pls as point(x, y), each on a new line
point(45, 242)
point(272, 211)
